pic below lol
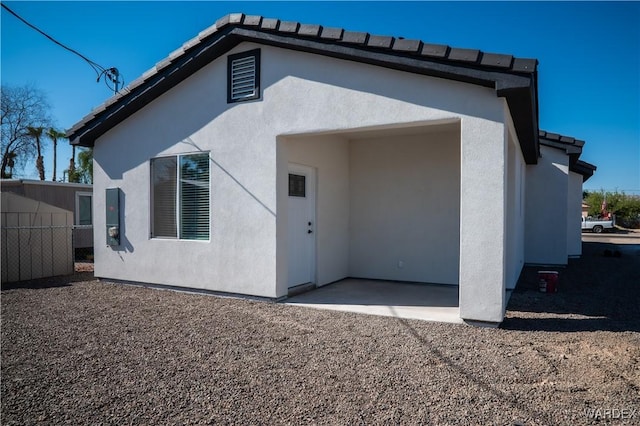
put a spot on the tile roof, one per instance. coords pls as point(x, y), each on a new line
point(513, 78)
point(585, 169)
point(572, 147)
point(570, 144)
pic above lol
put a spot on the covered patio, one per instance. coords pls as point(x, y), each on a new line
point(381, 203)
point(388, 205)
point(427, 302)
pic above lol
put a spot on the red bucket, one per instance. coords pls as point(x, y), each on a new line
point(548, 281)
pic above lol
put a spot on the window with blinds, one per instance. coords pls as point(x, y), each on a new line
point(194, 197)
point(243, 75)
point(180, 197)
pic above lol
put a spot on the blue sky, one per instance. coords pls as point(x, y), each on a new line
point(589, 53)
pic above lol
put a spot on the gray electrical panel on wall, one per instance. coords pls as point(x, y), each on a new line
point(113, 216)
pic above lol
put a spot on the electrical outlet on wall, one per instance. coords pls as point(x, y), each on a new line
point(400, 264)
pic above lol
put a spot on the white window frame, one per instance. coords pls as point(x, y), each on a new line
point(177, 198)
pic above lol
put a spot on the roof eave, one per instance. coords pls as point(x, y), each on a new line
point(571, 146)
point(583, 168)
point(523, 106)
point(171, 74)
point(519, 88)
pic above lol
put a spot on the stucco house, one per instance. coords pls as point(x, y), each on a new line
point(554, 201)
point(263, 155)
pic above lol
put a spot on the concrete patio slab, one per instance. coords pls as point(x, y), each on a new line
point(428, 302)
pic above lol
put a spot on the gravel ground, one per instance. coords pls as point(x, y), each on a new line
point(76, 351)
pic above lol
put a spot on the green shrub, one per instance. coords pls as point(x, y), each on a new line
point(625, 207)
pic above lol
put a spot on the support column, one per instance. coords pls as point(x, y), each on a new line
point(483, 218)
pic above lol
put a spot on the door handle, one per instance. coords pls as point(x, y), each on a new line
point(309, 231)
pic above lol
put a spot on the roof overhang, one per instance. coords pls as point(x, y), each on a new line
point(573, 148)
point(512, 78)
point(585, 169)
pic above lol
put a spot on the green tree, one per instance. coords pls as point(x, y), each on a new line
point(625, 207)
point(36, 133)
point(628, 210)
point(54, 135)
point(594, 201)
point(85, 166)
point(21, 108)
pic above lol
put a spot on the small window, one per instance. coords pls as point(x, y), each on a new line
point(180, 197)
point(84, 209)
point(243, 75)
point(297, 185)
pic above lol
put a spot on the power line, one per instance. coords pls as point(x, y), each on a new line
point(614, 190)
point(111, 75)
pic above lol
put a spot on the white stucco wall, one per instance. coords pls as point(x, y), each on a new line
point(302, 94)
point(574, 214)
point(405, 208)
point(515, 211)
point(329, 155)
point(546, 208)
point(483, 237)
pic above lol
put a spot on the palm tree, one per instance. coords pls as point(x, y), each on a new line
point(54, 135)
point(36, 133)
point(73, 176)
point(10, 163)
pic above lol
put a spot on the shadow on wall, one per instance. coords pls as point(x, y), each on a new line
point(162, 127)
point(546, 185)
point(170, 119)
point(181, 112)
point(190, 141)
point(174, 121)
point(438, 93)
point(599, 291)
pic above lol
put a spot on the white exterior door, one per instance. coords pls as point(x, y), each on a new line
point(302, 225)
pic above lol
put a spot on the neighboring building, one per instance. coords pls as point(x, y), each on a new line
point(554, 199)
point(36, 239)
point(74, 197)
point(265, 154)
point(585, 210)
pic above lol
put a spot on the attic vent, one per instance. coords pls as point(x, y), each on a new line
point(243, 71)
point(243, 77)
